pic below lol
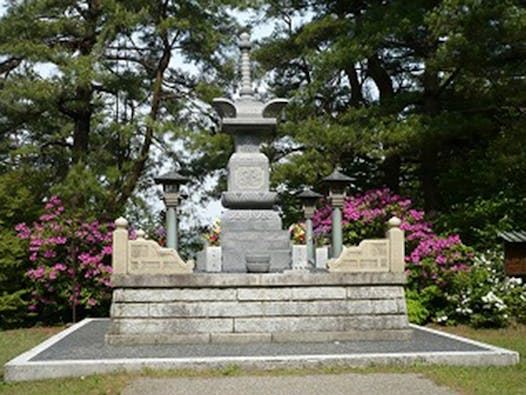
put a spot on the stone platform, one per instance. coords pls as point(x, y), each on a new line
point(257, 308)
point(81, 350)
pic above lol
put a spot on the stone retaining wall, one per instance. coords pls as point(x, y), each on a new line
point(245, 308)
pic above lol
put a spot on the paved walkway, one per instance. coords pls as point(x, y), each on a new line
point(340, 384)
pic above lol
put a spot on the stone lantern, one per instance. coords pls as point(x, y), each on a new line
point(250, 227)
point(337, 182)
point(171, 183)
point(308, 200)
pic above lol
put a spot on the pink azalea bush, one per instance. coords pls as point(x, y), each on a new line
point(447, 282)
point(432, 260)
point(70, 262)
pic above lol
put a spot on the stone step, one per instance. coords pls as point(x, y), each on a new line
point(253, 337)
point(182, 326)
point(254, 308)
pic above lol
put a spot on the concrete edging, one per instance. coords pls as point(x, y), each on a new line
point(22, 368)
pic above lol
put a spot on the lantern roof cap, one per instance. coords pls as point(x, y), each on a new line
point(338, 176)
point(171, 177)
point(307, 193)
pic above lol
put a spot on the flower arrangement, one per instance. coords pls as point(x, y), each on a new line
point(160, 232)
point(297, 233)
point(212, 236)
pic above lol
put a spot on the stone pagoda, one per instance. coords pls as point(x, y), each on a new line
point(158, 298)
point(251, 229)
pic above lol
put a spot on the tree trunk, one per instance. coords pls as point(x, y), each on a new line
point(139, 164)
point(381, 78)
point(81, 120)
point(391, 172)
point(392, 162)
point(429, 153)
point(81, 109)
point(356, 87)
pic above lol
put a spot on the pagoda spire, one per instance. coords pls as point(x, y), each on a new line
point(246, 81)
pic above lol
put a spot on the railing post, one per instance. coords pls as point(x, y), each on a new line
point(396, 245)
point(120, 247)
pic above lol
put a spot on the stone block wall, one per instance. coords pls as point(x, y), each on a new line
point(259, 308)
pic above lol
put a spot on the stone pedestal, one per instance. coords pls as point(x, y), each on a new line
point(240, 307)
point(209, 259)
point(322, 256)
point(157, 299)
point(299, 257)
point(249, 232)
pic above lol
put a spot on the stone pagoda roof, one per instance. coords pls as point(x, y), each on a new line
point(247, 113)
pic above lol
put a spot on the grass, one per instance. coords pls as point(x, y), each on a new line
point(15, 342)
point(466, 380)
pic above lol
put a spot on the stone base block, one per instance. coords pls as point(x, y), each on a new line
point(279, 258)
point(249, 232)
point(247, 308)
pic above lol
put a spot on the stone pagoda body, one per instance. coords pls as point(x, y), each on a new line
point(251, 228)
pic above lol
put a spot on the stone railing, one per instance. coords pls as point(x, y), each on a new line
point(382, 255)
point(143, 256)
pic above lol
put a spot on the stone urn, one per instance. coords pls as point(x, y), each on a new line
point(257, 263)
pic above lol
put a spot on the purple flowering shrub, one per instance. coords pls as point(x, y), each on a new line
point(70, 262)
point(432, 261)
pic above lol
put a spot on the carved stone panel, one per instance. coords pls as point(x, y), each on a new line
point(250, 178)
point(147, 257)
point(369, 256)
point(248, 173)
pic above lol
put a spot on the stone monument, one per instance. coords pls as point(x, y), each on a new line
point(157, 298)
point(252, 238)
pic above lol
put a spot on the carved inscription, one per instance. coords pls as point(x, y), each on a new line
point(248, 216)
point(249, 178)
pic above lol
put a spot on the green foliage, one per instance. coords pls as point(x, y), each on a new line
point(13, 287)
point(416, 310)
point(421, 97)
point(87, 89)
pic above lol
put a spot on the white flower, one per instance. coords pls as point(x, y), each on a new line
point(442, 318)
point(464, 310)
point(491, 298)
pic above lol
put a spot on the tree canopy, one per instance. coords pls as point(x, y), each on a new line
point(423, 97)
point(89, 87)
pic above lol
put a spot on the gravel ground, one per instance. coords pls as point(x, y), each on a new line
point(341, 384)
point(87, 343)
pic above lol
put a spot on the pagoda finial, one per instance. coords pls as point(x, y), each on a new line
point(246, 82)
